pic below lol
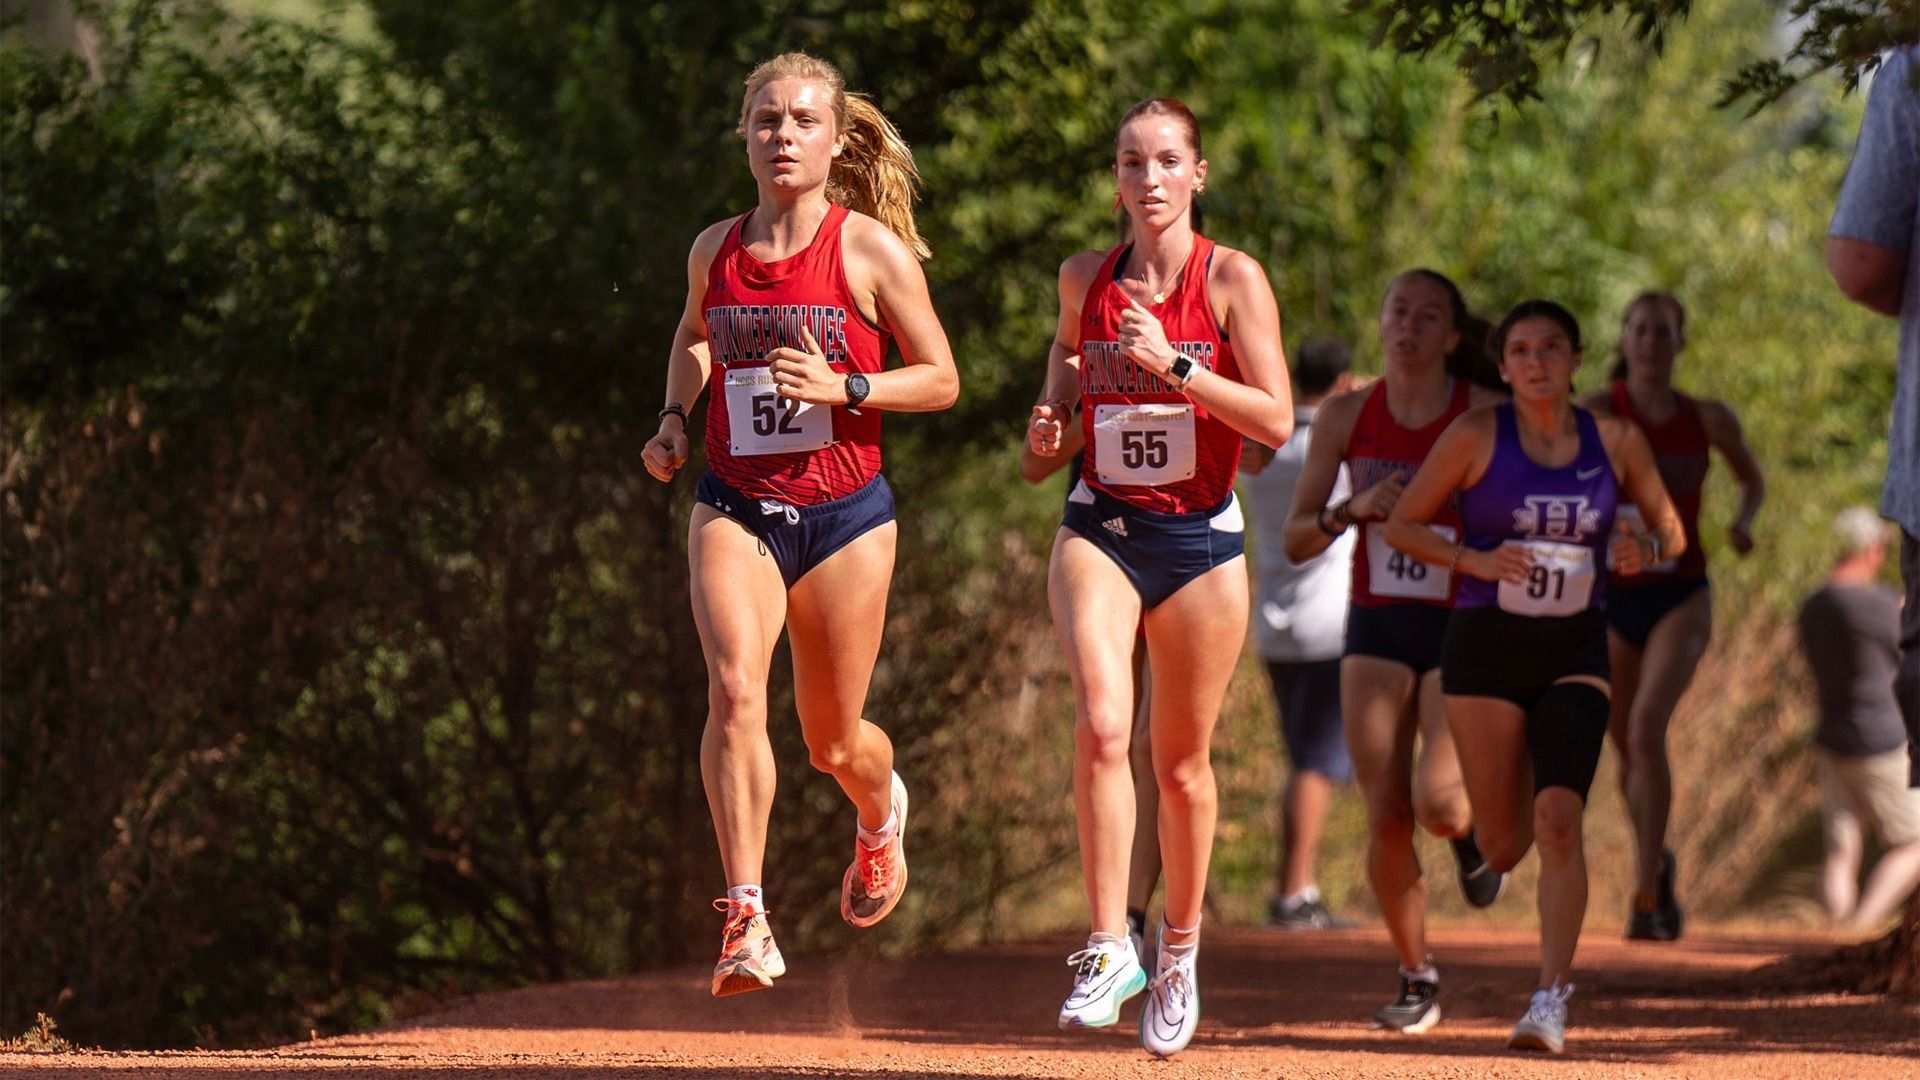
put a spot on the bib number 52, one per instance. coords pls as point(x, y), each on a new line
point(773, 414)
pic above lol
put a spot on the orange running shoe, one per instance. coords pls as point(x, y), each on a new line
point(749, 960)
point(873, 884)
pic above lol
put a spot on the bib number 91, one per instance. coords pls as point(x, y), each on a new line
point(1560, 582)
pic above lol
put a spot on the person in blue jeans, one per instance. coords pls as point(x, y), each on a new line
point(1873, 252)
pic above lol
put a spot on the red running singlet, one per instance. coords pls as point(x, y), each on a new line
point(1683, 454)
point(764, 446)
point(1148, 444)
point(1378, 448)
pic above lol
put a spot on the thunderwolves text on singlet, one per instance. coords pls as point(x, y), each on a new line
point(1148, 444)
point(766, 446)
point(1563, 517)
point(1378, 449)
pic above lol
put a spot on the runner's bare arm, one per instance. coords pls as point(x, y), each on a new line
point(1332, 427)
point(1640, 481)
point(689, 364)
point(880, 265)
point(1723, 431)
point(1046, 427)
point(1034, 468)
point(1456, 457)
point(1260, 404)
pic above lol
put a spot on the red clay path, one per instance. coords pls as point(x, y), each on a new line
point(1274, 1004)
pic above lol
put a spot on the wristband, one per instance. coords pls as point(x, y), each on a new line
point(674, 408)
point(1320, 519)
point(1653, 546)
point(1453, 564)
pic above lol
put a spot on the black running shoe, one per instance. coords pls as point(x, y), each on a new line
point(1480, 883)
point(1414, 1011)
point(1669, 904)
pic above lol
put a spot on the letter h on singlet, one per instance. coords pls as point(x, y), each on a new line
point(1556, 516)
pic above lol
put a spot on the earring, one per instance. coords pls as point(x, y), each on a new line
point(1116, 200)
point(1200, 188)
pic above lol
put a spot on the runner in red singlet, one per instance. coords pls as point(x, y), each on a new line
point(1171, 346)
point(1389, 675)
point(1659, 620)
point(790, 309)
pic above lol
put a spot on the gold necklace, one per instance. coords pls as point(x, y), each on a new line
point(1166, 287)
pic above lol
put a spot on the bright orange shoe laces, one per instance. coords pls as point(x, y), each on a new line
point(739, 917)
point(875, 867)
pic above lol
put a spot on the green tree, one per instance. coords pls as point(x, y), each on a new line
point(1503, 47)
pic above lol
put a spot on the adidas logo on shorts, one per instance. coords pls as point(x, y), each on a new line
point(1116, 526)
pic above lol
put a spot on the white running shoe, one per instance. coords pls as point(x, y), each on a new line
point(1545, 1025)
point(749, 960)
point(1107, 974)
point(872, 885)
point(1172, 1010)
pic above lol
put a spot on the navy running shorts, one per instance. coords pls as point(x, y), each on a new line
point(1159, 553)
point(801, 537)
point(1408, 634)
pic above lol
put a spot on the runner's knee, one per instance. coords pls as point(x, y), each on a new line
point(737, 699)
point(1102, 737)
point(830, 754)
point(1187, 780)
point(1556, 822)
point(1444, 814)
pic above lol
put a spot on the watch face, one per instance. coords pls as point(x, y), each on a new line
point(857, 387)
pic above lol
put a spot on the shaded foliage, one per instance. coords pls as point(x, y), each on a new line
point(1505, 47)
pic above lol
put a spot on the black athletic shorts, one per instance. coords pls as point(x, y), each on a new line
point(1494, 653)
point(1409, 634)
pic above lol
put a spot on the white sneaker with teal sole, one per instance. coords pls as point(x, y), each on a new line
point(1106, 974)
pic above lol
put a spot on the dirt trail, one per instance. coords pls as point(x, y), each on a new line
point(1274, 1004)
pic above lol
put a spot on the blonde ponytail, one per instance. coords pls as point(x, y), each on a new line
point(874, 173)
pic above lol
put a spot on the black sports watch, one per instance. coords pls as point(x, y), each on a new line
point(857, 390)
point(1182, 369)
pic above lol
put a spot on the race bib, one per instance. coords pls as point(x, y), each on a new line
point(1630, 514)
point(1143, 444)
point(1560, 583)
point(760, 421)
point(1394, 573)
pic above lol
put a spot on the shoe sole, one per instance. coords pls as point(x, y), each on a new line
point(741, 979)
point(1134, 987)
point(899, 890)
point(1418, 1027)
point(1533, 1041)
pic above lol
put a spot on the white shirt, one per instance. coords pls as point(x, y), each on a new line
point(1299, 610)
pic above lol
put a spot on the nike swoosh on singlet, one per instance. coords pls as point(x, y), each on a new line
point(1588, 474)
